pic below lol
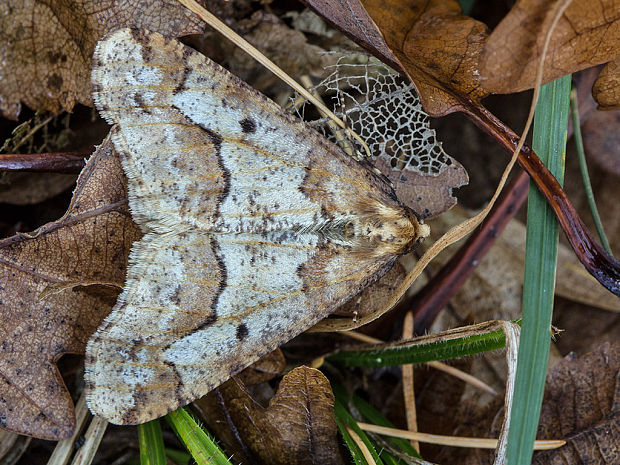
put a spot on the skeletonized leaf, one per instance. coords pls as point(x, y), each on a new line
point(431, 41)
point(384, 109)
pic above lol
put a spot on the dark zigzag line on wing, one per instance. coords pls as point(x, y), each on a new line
point(238, 316)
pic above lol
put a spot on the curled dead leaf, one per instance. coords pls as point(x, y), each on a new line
point(430, 41)
point(297, 427)
point(90, 243)
point(587, 34)
point(606, 90)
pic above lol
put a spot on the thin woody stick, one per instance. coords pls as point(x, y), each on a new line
point(454, 441)
point(365, 452)
point(408, 385)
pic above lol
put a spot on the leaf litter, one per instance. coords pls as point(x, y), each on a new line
point(423, 421)
point(89, 244)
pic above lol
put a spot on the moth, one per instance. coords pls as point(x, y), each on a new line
point(255, 227)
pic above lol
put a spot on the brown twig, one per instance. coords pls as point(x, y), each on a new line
point(599, 263)
point(442, 287)
point(55, 162)
point(408, 384)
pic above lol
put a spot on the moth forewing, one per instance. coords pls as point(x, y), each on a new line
point(256, 227)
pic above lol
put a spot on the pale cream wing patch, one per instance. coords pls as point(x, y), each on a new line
point(232, 193)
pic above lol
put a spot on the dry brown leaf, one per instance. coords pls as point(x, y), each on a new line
point(373, 296)
point(297, 427)
point(495, 288)
point(437, 394)
point(606, 90)
point(601, 142)
point(454, 62)
point(587, 34)
point(436, 45)
point(601, 139)
point(268, 367)
point(47, 46)
point(427, 194)
point(604, 184)
point(581, 405)
point(90, 243)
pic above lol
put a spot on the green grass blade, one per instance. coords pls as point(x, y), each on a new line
point(416, 352)
point(549, 142)
point(583, 167)
point(199, 444)
point(344, 419)
point(151, 444)
point(375, 417)
point(177, 456)
point(354, 450)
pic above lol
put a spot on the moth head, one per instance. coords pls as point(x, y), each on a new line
point(390, 229)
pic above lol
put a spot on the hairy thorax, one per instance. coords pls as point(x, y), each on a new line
point(368, 227)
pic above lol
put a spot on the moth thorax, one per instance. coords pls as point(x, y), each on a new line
point(391, 229)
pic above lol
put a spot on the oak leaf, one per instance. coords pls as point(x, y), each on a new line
point(587, 34)
point(430, 41)
point(89, 244)
point(298, 426)
point(46, 47)
point(453, 60)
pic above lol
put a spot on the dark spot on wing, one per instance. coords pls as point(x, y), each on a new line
point(141, 103)
point(248, 125)
point(242, 331)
